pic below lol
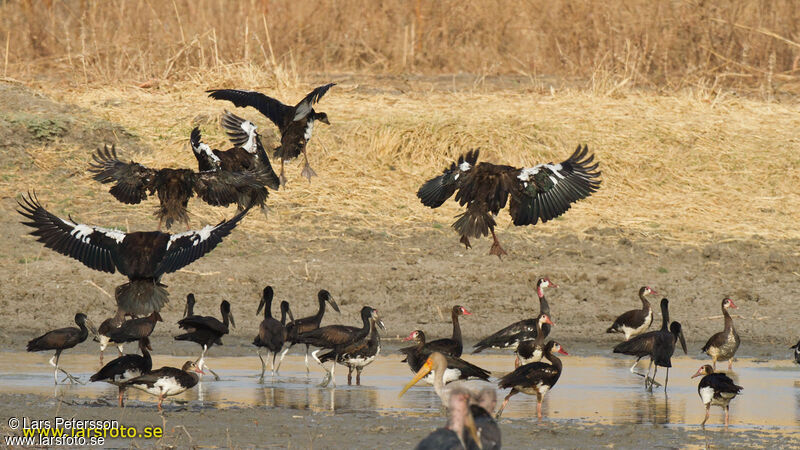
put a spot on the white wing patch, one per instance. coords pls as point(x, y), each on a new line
point(250, 129)
point(464, 166)
point(526, 173)
point(309, 130)
point(197, 236)
point(83, 232)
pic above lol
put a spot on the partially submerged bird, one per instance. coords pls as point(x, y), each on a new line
point(715, 388)
point(143, 256)
point(166, 381)
point(636, 321)
point(542, 192)
point(722, 346)
point(523, 330)
point(271, 332)
point(658, 345)
point(306, 324)
point(126, 367)
point(133, 182)
point(60, 340)
point(357, 351)
point(295, 123)
point(207, 331)
point(460, 431)
point(454, 345)
point(535, 378)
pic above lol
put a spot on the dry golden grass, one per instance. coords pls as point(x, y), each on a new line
point(662, 44)
point(691, 166)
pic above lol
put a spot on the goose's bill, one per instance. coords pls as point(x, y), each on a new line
point(698, 373)
point(547, 320)
point(411, 336)
point(425, 370)
point(466, 313)
point(563, 352)
point(683, 342)
point(732, 304)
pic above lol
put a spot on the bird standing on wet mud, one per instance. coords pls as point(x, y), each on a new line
point(60, 340)
point(295, 123)
point(636, 321)
point(542, 192)
point(207, 331)
point(722, 346)
point(715, 388)
point(271, 332)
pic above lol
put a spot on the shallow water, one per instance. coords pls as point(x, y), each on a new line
point(593, 389)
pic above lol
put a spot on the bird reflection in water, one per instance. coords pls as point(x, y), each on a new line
point(318, 400)
point(648, 408)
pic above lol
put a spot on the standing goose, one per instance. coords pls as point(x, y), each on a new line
point(796, 348)
point(306, 324)
point(535, 378)
point(533, 350)
point(144, 257)
point(524, 330)
point(450, 346)
point(636, 321)
point(430, 368)
point(60, 340)
point(658, 345)
point(722, 346)
point(133, 182)
point(134, 329)
point(271, 333)
point(105, 327)
point(359, 351)
point(715, 389)
point(207, 331)
point(126, 367)
point(295, 123)
point(544, 192)
point(166, 381)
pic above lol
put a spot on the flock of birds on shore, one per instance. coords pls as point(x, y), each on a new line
point(243, 175)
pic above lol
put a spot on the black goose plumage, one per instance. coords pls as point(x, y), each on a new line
point(658, 345)
point(542, 192)
point(126, 367)
point(359, 351)
point(166, 381)
point(133, 183)
point(207, 331)
point(60, 340)
point(306, 324)
point(533, 350)
point(143, 256)
point(457, 368)
point(535, 378)
point(722, 346)
point(452, 346)
point(295, 123)
point(523, 330)
point(271, 332)
point(636, 321)
point(716, 388)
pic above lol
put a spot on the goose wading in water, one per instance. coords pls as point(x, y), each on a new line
point(535, 378)
point(542, 192)
point(715, 388)
point(166, 381)
point(636, 321)
point(126, 367)
point(722, 346)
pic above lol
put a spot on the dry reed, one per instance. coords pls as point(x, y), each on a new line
point(663, 44)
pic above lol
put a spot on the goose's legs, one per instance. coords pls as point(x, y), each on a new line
point(505, 402)
point(307, 171)
point(496, 248)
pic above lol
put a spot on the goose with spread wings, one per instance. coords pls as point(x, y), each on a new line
point(143, 256)
point(295, 123)
point(542, 192)
point(133, 182)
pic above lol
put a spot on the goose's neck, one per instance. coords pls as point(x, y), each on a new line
point(645, 303)
point(456, 328)
point(728, 319)
point(544, 307)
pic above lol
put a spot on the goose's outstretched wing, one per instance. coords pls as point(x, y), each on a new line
point(241, 132)
point(547, 191)
point(273, 109)
point(132, 180)
point(438, 189)
point(185, 248)
point(93, 246)
point(306, 104)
